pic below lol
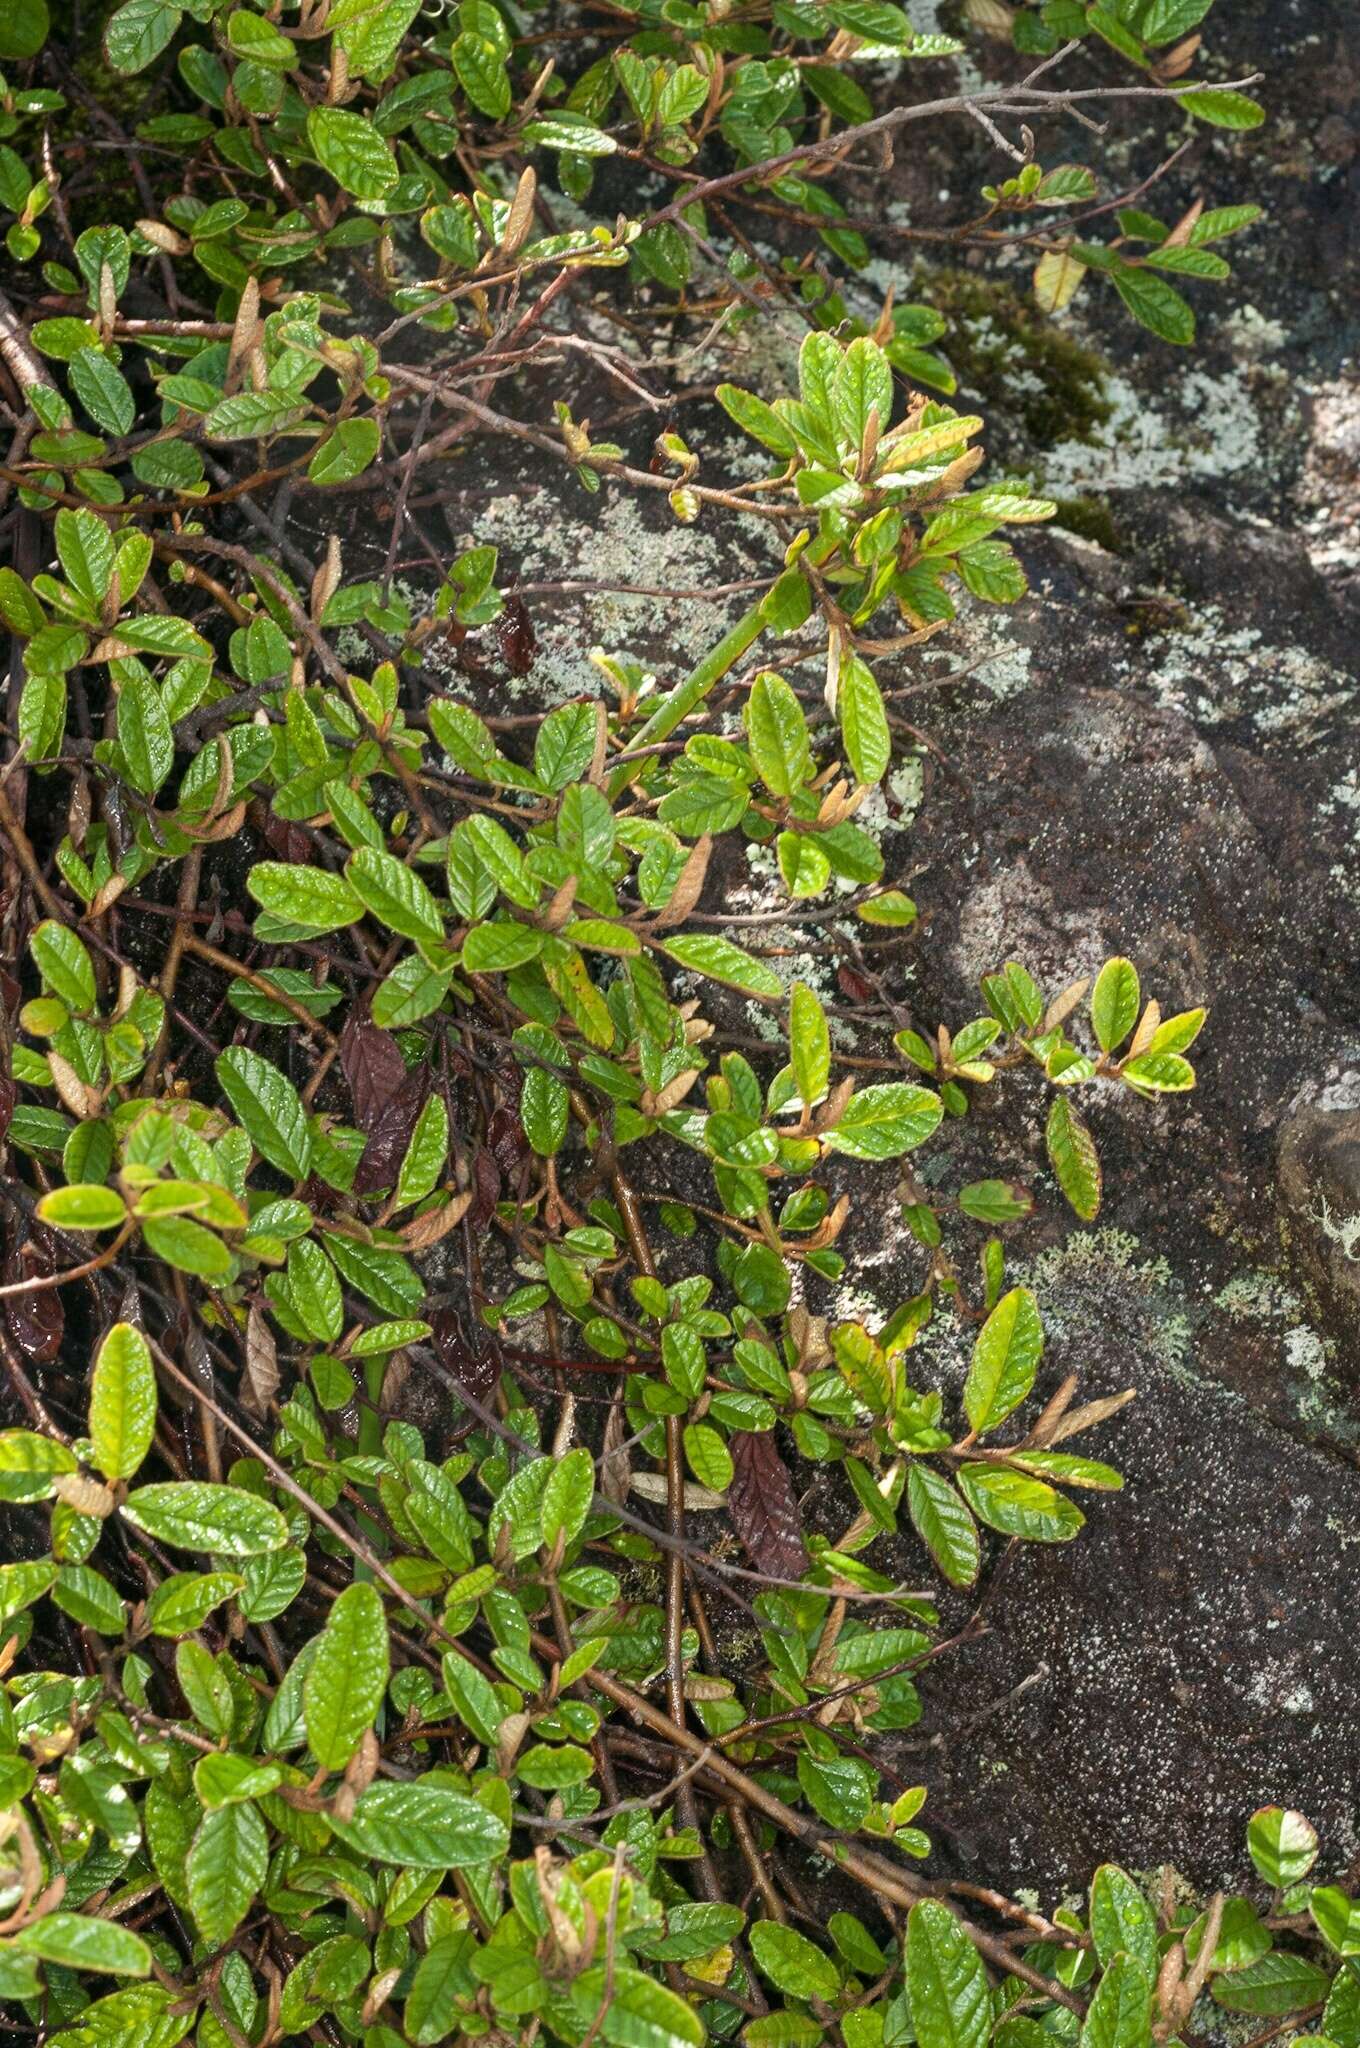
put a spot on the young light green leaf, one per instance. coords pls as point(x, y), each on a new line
point(194, 1515)
point(1072, 1155)
point(348, 1678)
point(720, 960)
point(122, 1418)
point(943, 1523)
point(394, 895)
point(885, 1121)
point(1114, 1002)
point(809, 1044)
point(351, 149)
point(864, 722)
point(1005, 1359)
point(1016, 1505)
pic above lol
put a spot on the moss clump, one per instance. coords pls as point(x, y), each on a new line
point(1003, 349)
point(1090, 519)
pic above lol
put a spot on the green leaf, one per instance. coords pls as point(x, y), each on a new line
point(708, 1456)
point(1282, 1844)
point(23, 30)
point(82, 1941)
point(88, 1598)
point(193, 1515)
point(634, 2010)
point(885, 1121)
point(394, 895)
point(83, 1207)
point(498, 947)
point(1114, 1003)
point(137, 33)
point(1073, 1157)
point(103, 390)
point(224, 1779)
point(1155, 305)
point(269, 1108)
point(28, 1462)
point(22, 1584)
point(348, 1678)
point(792, 1963)
point(182, 1603)
point(1158, 1073)
point(1121, 1918)
point(122, 1402)
point(474, 1697)
point(757, 419)
point(720, 960)
point(1336, 1917)
point(345, 453)
point(351, 149)
point(42, 716)
point(482, 74)
point(1005, 1359)
point(568, 1496)
point(569, 131)
point(809, 1044)
point(86, 553)
point(252, 415)
point(1119, 2015)
point(226, 1868)
point(864, 722)
point(183, 1243)
point(424, 1826)
point(64, 964)
point(1017, 1505)
point(309, 898)
point(145, 739)
point(425, 1155)
point(1280, 1983)
point(315, 1291)
point(1222, 108)
point(951, 2004)
point(776, 732)
point(544, 1109)
point(943, 1523)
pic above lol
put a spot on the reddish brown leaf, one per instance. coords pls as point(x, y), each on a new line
point(390, 1132)
point(288, 841)
point(508, 1144)
point(486, 1183)
point(36, 1322)
point(515, 632)
point(469, 1355)
point(371, 1061)
point(763, 1505)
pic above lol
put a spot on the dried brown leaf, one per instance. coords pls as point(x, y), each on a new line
point(763, 1505)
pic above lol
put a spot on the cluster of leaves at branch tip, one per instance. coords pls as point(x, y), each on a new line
point(315, 1723)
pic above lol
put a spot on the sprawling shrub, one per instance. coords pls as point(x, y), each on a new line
point(370, 1038)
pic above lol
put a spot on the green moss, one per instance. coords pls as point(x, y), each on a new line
point(1090, 519)
point(1003, 348)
